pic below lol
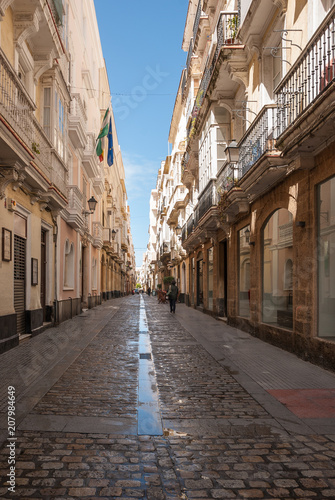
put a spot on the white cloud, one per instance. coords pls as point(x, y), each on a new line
point(141, 176)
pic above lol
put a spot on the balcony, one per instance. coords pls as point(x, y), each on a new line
point(177, 202)
point(187, 228)
point(305, 95)
point(16, 105)
point(206, 201)
point(97, 234)
point(99, 184)
point(74, 210)
point(90, 160)
point(189, 56)
point(200, 27)
point(259, 161)
point(77, 122)
point(228, 178)
point(106, 237)
point(165, 250)
point(226, 32)
point(23, 139)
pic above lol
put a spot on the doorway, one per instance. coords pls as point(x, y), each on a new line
point(200, 281)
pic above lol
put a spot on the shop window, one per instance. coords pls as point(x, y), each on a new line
point(244, 272)
point(210, 279)
point(278, 270)
point(69, 265)
point(326, 259)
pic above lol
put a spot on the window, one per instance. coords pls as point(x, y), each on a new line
point(278, 270)
point(54, 119)
point(47, 112)
point(326, 258)
point(59, 135)
point(210, 280)
point(69, 265)
point(244, 272)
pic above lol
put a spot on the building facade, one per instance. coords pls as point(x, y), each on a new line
point(254, 103)
point(54, 94)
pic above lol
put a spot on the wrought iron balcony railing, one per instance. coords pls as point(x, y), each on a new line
point(164, 249)
point(207, 199)
point(258, 139)
point(197, 19)
point(15, 104)
point(189, 55)
point(309, 76)
point(228, 178)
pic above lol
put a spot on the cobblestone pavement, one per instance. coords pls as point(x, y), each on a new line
point(232, 447)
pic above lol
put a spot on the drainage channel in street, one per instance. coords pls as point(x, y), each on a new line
point(148, 413)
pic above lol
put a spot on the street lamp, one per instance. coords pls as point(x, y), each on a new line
point(178, 230)
point(232, 152)
point(92, 203)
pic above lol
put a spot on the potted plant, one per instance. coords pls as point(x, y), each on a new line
point(232, 29)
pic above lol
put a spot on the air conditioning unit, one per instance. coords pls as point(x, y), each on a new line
point(11, 204)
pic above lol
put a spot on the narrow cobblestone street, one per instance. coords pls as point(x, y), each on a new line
point(130, 401)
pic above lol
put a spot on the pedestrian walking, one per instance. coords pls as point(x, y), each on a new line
point(149, 291)
point(172, 295)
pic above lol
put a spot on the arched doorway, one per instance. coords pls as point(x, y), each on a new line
point(278, 269)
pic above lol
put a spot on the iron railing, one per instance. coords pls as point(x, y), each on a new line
point(309, 76)
point(228, 178)
point(258, 139)
point(15, 104)
point(165, 248)
point(207, 199)
point(189, 55)
point(197, 19)
point(183, 83)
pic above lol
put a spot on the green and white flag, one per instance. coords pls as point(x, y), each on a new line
point(103, 133)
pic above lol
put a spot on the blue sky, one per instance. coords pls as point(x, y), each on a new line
point(141, 42)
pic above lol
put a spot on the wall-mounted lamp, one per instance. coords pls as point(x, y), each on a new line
point(247, 235)
point(92, 203)
point(113, 234)
point(232, 152)
point(178, 230)
point(300, 223)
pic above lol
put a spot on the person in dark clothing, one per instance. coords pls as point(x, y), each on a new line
point(149, 291)
point(172, 294)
